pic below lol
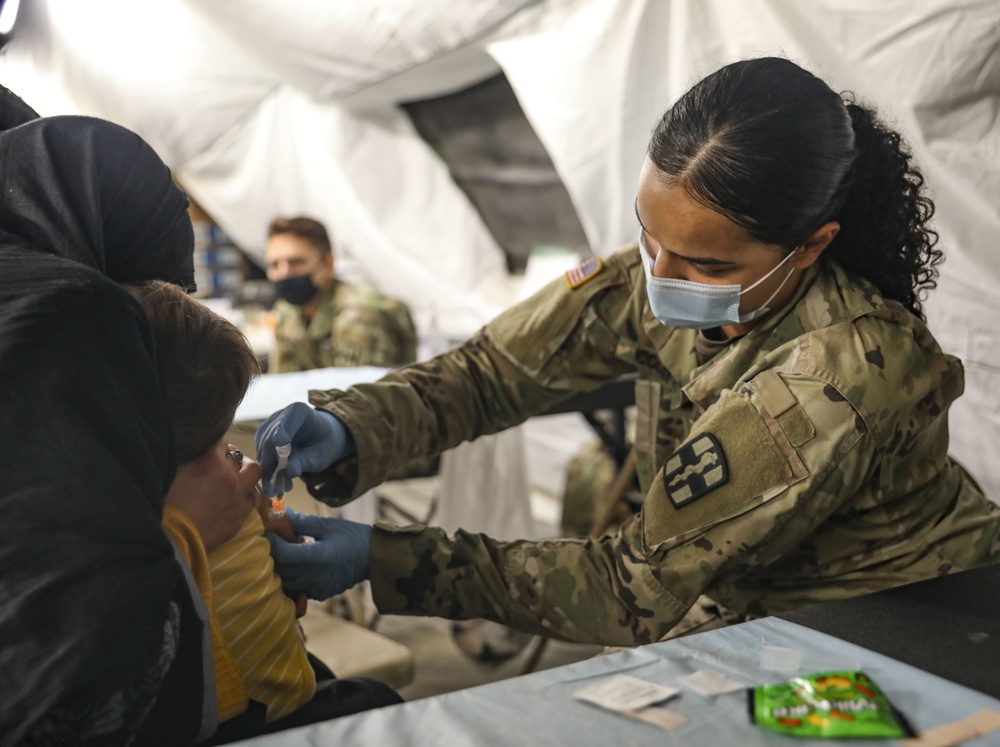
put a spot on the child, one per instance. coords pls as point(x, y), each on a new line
point(263, 672)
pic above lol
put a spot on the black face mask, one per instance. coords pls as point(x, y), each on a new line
point(298, 290)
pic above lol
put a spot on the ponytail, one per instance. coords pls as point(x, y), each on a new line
point(777, 151)
point(884, 235)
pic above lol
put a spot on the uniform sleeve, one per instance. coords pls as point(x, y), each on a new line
point(531, 357)
point(757, 475)
point(365, 335)
point(404, 333)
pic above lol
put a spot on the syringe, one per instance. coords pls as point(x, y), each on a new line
point(279, 476)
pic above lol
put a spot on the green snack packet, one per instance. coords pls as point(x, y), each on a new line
point(827, 704)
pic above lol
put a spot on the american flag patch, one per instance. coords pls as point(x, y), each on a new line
point(583, 272)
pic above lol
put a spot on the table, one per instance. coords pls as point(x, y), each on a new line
point(271, 392)
point(932, 646)
point(949, 626)
point(539, 708)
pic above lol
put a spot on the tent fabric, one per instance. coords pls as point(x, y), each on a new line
point(263, 109)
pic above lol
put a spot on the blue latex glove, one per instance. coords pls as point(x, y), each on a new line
point(317, 438)
point(331, 565)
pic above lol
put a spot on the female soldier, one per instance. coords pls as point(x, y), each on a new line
point(792, 405)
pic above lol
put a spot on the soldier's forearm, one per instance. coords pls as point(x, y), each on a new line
point(569, 589)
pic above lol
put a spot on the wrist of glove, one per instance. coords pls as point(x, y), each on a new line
point(333, 563)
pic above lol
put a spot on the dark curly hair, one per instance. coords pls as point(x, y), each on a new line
point(775, 149)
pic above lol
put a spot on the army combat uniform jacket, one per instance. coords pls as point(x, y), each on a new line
point(805, 462)
point(353, 326)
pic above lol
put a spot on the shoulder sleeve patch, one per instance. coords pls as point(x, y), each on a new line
point(731, 461)
point(583, 272)
point(697, 468)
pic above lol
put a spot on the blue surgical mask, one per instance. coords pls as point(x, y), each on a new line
point(682, 303)
point(298, 290)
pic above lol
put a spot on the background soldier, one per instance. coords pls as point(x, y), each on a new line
point(322, 321)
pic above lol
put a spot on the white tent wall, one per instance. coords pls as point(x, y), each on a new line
point(254, 127)
point(263, 108)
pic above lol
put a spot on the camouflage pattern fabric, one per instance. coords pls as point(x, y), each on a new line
point(805, 462)
point(589, 476)
point(353, 326)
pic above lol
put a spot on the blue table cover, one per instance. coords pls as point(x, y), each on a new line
point(539, 709)
point(270, 392)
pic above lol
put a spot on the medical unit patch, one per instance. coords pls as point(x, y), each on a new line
point(697, 468)
point(583, 272)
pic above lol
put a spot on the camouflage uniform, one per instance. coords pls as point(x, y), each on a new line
point(589, 476)
point(353, 326)
point(804, 462)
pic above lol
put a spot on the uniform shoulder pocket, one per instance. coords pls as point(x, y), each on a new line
point(736, 457)
point(531, 332)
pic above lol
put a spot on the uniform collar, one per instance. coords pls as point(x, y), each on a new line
point(321, 325)
point(744, 355)
point(826, 296)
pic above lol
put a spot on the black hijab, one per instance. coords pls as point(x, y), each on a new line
point(91, 191)
point(13, 110)
point(98, 634)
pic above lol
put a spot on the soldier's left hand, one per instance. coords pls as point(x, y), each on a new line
point(336, 561)
point(316, 439)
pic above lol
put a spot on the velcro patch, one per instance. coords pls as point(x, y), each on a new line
point(583, 272)
point(697, 468)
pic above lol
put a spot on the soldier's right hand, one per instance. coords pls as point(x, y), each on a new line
point(317, 438)
point(337, 559)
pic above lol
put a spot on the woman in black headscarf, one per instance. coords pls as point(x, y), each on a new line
point(13, 109)
point(100, 641)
